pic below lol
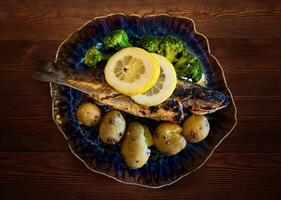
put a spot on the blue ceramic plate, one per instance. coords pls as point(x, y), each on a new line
point(160, 170)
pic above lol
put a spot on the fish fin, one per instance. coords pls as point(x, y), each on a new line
point(49, 66)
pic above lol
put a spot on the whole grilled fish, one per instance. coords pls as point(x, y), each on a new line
point(186, 97)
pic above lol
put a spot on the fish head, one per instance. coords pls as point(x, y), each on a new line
point(207, 101)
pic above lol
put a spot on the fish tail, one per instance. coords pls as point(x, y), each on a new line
point(62, 76)
point(48, 77)
point(49, 74)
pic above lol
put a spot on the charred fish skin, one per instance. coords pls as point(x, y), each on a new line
point(92, 82)
point(171, 104)
point(187, 97)
point(166, 111)
point(200, 100)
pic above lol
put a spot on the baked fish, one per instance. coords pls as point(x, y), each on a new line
point(187, 97)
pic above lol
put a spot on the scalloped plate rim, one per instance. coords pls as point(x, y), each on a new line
point(208, 53)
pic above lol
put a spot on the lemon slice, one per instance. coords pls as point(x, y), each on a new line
point(132, 71)
point(164, 86)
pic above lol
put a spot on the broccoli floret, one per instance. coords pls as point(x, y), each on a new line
point(185, 58)
point(189, 66)
point(93, 56)
point(196, 70)
point(150, 43)
point(191, 70)
point(170, 47)
point(185, 62)
point(117, 39)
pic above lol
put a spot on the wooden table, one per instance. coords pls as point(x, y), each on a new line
point(35, 161)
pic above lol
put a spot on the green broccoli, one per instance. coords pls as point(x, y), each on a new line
point(185, 57)
point(191, 70)
point(168, 46)
point(117, 39)
point(93, 56)
point(171, 47)
point(186, 64)
point(150, 43)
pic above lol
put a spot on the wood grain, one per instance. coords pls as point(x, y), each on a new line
point(234, 176)
point(248, 20)
point(233, 54)
point(35, 161)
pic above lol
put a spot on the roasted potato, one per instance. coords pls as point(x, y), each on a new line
point(134, 148)
point(88, 114)
point(148, 137)
point(112, 127)
point(168, 138)
point(196, 128)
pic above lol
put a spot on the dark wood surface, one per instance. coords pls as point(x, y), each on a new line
point(35, 161)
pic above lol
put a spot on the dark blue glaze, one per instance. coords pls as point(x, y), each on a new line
point(84, 141)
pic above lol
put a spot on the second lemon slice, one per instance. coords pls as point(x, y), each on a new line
point(164, 86)
point(132, 71)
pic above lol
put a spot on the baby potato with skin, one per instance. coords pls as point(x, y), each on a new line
point(196, 128)
point(134, 147)
point(112, 127)
point(148, 137)
point(168, 138)
point(88, 114)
